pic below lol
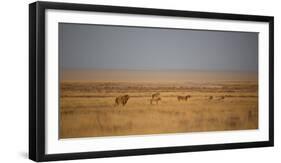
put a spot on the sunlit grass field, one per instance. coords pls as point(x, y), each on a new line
point(87, 108)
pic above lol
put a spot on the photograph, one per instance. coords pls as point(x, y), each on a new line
point(119, 80)
point(111, 81)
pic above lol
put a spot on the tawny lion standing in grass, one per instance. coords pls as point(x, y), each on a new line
point(121, 100)
point(183, 98)
point(155, 98)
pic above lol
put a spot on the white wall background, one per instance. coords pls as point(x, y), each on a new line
point(14, 79)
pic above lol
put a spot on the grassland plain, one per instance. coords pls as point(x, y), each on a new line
point(87, 107)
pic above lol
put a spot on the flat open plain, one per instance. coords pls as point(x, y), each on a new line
point(218, 101)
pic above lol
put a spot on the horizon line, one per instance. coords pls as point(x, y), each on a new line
point(123, 69)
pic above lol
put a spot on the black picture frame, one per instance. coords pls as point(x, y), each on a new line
point(37, 79)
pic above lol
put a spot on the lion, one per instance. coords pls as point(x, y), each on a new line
point(155, 98)
point(121, 100)
point(183, 98)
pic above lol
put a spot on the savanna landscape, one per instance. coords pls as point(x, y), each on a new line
point(96, 103)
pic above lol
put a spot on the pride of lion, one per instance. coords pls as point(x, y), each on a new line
point(155, 98)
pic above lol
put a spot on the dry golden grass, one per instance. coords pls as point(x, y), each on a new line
point(87, 108)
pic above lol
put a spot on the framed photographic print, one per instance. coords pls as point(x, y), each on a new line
point(110, 81)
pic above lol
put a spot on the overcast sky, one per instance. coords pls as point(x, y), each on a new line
point(136, 48)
